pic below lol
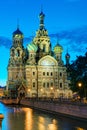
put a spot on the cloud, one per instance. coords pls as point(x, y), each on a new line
point(6, 42)
point(75, 40)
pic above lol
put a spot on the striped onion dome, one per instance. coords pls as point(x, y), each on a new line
point(32, 47)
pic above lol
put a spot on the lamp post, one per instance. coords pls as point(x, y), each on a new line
point(52, 93)
point(29, 92)
point(80, 85)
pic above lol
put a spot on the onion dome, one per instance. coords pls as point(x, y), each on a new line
point(17, 32)
point(32, 47)
point(41, 14)
point(67, 55)
point(58, 48)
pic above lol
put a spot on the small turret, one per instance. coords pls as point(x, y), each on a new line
point(17, 51)
point(17, 37)
point(67, 57)
point(58, 51)
point(41, 16)
point(17, 33)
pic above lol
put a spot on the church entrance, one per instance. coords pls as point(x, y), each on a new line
point(21, 93)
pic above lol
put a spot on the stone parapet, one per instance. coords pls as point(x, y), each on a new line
point(69, 109)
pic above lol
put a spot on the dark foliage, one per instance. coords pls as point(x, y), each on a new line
point(78, 74)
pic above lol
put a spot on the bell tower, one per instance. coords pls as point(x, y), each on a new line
point(16, 60)
point(17, 50)
point(17, 38)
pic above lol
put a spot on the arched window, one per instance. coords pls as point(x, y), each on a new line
point(60, 74)
point(51, 84)
point(18, 52)
point(61, 85)
point(12, 53)
point(47, 73)
point(33, 84)
point(51, 73)
point(43, 73)
point(47, 85)
point(44, 85)
point(44, 46)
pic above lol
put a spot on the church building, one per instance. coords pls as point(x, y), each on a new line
point(37, 70)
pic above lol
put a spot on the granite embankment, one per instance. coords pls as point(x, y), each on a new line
point(72, 109)
point(65, 108)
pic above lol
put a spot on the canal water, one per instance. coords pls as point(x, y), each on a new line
point(24, 118)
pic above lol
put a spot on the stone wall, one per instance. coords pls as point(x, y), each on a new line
point(67, 108)
point(70, 109)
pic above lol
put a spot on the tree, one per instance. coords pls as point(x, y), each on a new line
point(78, 74)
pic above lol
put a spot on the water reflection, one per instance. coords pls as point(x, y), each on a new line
point(28, 118)
point(78, 128)
point(22, 118)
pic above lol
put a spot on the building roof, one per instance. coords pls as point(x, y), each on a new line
point(17, 32)
point(42, 14)
point(67, 55)
point(32, 47)
point(58, 48)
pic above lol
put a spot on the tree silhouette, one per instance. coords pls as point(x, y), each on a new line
point(78, 74)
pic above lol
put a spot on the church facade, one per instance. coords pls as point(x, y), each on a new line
point(37, 70)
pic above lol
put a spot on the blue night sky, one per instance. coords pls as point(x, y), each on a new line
point(65, 20)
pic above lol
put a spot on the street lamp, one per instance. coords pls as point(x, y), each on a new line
point(29, 92)
point(79, 84)
point(51, 88)
point(51, 92)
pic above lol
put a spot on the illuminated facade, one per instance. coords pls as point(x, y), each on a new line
point(37, 71)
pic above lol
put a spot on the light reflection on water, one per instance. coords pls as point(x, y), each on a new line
point(78, 128)
point(23, 118)
point(28, 118)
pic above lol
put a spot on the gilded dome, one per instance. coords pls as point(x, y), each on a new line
point(58, 48)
